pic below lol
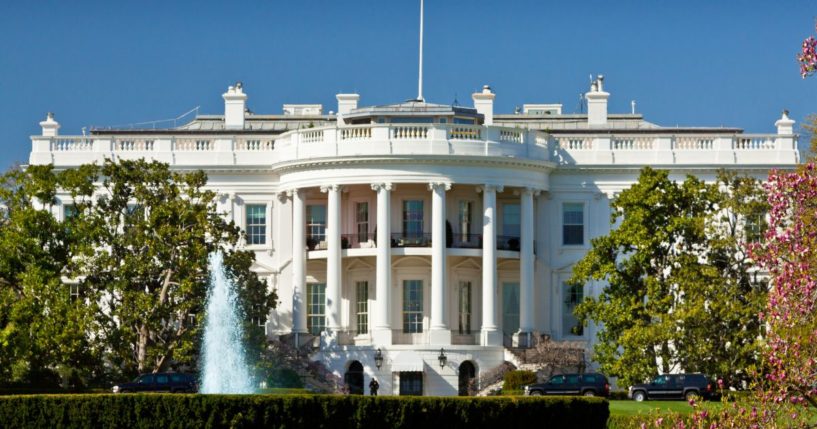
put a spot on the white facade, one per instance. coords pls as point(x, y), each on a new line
point(417, 227)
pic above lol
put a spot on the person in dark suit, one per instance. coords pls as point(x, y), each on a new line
point(373, 386)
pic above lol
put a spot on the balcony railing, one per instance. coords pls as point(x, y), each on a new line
point(507, 242)
point(603, 148)
point(411, 239)
point(466, 241)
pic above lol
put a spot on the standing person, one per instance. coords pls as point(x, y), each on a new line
point(373, 386)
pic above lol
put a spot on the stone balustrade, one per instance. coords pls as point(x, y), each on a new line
point(422, 140)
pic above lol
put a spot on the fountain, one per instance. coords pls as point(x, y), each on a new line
point(224, 366)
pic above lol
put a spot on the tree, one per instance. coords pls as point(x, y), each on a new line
point(147, 233)
point(676, 279)
point(43, 328)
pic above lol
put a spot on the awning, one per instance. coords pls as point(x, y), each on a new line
point(407, 361)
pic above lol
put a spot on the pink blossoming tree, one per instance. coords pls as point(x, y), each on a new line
point(808, 57)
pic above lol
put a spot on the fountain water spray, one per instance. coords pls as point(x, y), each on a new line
point(224, 366)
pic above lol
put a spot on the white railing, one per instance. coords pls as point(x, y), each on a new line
point(693, 143)
point(409, 132)
point(575, 143)
point(633, 143)
point(510, 136)
point(72, 144)
point(754, 142)
point(265, 144)
point(423, 139)
point(193, 144)
point(134, 145)
point(465, 132)
point(356, 133)
point(312, 136)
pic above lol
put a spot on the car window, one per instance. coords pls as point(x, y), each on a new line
point(661, 380)
point(177, 378)
point(161, 379)
point(589, 379)
point(559, 379)
point(146, 379)
point(679, 379)
point(572, 379)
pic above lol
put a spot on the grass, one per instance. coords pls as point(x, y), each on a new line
point(633, 408)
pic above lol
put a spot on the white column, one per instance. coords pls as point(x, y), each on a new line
point(490, 334)
point(298, 262)
point(526, 257)
point(439, 334)
point(381, 330)
point(333, 261)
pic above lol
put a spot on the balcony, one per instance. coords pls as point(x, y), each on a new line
point(411, 239)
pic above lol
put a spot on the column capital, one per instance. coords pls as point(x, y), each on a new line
point(610, 194)
point(387, 186)
point(490, 188)
point(528, 191)
point(432, 186)
point(333, 188)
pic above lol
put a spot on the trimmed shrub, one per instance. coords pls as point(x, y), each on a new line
point(514, 380)
point(293, 411)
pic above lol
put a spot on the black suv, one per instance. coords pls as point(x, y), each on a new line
point(590, 384)
point(674, 386)
point(171, 382)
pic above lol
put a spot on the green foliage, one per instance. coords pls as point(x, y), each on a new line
point(286, 378)
point(137, 247)
point(308, 411)
point(514, 380)
point(146, 234)
point(678, 286)
point(42, 329)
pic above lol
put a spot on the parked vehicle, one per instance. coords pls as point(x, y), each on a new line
point(170, 382)
point(674, 386)
point(590, 384)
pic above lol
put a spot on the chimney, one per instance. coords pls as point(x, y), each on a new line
point(50, 126)
point(785, 125)
point(346, 103)
point(235, 102)
point(484, 103)
point(597, 103)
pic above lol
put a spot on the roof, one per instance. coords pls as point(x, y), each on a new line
point(412, 108)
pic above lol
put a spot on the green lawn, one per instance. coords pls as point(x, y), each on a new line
point(632, 408)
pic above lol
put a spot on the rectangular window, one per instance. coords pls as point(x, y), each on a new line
point(412, 306)
point(574, 294)
point(411, 383)
point(316, 223)
point(258, 319)
point(510, 308)
point(413, 218)
point(755, 227)
point(69, 211)
point(465, 308)
point(465, 215)
point(510, 220)
point(362, 219)
point(73, 291)
point(573, 224)
point(256, 224)
point(315, 308)
point(362, 296)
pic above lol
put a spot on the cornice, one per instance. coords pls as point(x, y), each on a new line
point(316, 163)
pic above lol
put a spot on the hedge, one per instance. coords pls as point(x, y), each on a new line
point(514, 380)
point(295, 411)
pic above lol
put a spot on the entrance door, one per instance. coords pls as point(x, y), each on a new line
point(510, 308)
point(354, 378)
point(468, 375)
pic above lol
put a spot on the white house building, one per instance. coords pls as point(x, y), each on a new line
point(394, 234)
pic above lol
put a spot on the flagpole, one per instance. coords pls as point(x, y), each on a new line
point(420, 81)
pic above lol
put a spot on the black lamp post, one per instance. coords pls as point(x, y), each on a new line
point(442, 358)
point(378, 358)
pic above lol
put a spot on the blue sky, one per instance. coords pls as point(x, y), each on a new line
point(696, 63)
